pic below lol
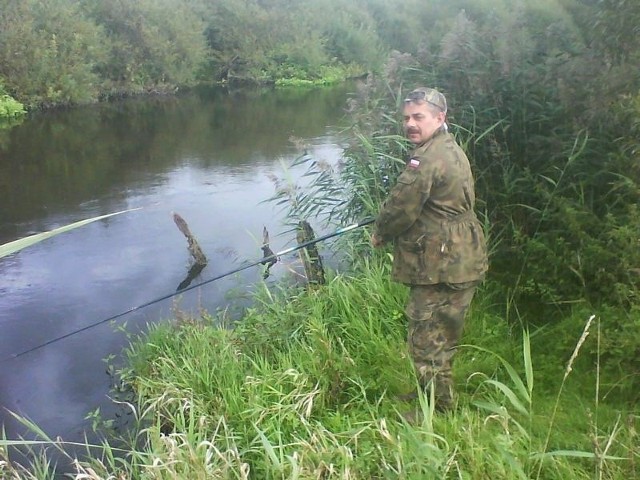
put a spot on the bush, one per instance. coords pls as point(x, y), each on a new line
point(10, 107)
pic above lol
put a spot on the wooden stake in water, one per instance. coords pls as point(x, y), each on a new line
point(194, 249)
point(267, 253)
point(309, 255)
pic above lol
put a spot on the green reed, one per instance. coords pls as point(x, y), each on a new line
point(304, 387)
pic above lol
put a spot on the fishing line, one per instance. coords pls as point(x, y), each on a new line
point(264, 260)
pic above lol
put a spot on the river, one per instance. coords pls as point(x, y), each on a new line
point(209, 155)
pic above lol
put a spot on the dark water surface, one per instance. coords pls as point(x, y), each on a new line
point(206, 155)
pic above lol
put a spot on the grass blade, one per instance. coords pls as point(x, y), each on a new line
point(17, 245)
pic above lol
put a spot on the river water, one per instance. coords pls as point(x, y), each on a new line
point(209, 155)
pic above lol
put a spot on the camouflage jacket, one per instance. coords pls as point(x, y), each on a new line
point(430, 219)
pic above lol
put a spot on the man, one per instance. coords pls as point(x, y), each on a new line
point(439, 245)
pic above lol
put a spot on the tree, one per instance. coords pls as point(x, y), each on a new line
point(48, 51)
point(151, 43)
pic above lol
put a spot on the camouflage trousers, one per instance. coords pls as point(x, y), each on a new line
point(436, 318)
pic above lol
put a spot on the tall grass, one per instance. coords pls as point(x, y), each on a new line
point(305, 387)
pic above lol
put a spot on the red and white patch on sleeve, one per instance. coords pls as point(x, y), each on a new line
point(413, 163)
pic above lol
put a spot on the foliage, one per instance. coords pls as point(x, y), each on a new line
point(82, 51)
point(48, 51)
point(9, 107)
point(545, 99)
point(365, 175)
point(290, 76)
point(151, 43)
point(351, 38)
point(554, 147)
point(305, 384)
point(66, 52)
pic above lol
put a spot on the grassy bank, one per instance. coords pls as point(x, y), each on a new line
point(304, 385)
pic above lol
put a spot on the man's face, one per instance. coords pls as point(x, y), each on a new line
point(420, 122)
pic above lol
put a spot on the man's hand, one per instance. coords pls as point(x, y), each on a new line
point(376, 241)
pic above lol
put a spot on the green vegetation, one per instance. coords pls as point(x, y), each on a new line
point(10, 108)
point(60, 52)
point(555, 152)
point(17, 245)
point(304, 388)
point(545, 98)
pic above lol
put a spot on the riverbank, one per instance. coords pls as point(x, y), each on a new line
point(181, 154)
point(304, 385)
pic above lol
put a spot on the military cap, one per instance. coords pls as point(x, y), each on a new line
point(429, 95)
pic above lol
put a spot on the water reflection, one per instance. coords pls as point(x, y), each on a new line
point(206, 155)
point(64, 159)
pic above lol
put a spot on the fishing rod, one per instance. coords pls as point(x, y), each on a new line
point(265, 260)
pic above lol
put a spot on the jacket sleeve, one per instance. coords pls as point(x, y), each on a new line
point(404, 204)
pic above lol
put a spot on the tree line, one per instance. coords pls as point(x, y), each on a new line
point(55, 52)
point(60, 52)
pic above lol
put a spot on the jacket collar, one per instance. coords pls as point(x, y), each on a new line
point(424, 146)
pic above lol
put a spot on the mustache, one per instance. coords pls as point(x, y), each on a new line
point(413, 130)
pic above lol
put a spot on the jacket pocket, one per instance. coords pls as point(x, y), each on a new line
point(422, 261)
point(410, 263)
